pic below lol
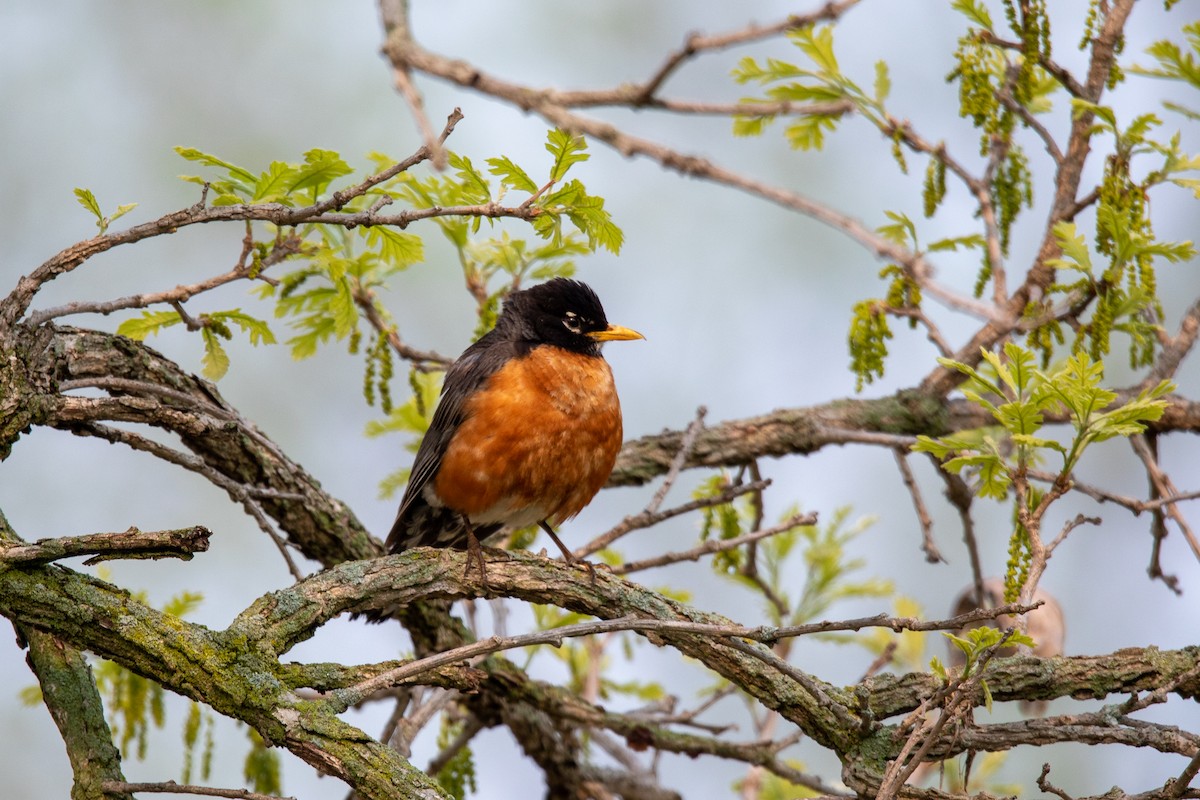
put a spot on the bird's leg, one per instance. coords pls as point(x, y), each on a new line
point(568, 556)
point(474, 554)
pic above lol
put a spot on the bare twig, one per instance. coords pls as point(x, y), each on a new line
point(237, 491)
point(1180, 784)
point(715, 546)
point(554, 636)
point(180, 543)
point(365, 299)
point(960, 496)
point(1043, 783)
point(928, 545)
point(1164, 487)
point(394, 14)
point(171, 787)
point(685, 449)
point(420, 716)
point(646, 519)
point(1069, 526)
point(180, 294)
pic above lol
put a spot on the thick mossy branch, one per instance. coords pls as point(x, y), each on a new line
point(237, 672)
point(69, 692)
point(225, 671)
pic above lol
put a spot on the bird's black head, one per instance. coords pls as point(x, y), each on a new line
point(563, 313)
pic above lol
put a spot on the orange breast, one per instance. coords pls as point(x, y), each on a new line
point(537, 443)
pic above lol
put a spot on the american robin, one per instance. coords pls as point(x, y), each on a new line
point(527, 428)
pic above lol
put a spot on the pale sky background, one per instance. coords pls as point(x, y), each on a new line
point(745, 307)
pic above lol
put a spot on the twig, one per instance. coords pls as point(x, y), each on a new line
point(1174, 349)
point(928, 545)
point(715, 546)
point(954, 702)
point(237, 491)
point(171, 787)
point(364, 298)
point(649, 515)
point(554, 636)
point(835, 435)
point(178, 295)
point(394, 719)
point(555, 108)
point(1165, 488)
point(959, 495)
point(181, 543)
point(1179, 785)
point(409, 726)
point(881, 661)
point(1069, 526)
point(685, 449)
point(644, 519)
point(1043, 783)
point(845, 718)
point(14, 306)
point(932, 332)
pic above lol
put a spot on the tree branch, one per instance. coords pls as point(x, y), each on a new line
point(180, 543)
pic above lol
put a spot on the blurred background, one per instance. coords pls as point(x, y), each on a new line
point(745, 307)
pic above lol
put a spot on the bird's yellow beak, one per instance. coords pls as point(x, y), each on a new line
point(615, 333)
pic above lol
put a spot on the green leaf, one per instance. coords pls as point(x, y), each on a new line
point(216, 360)
point(399, 248)
point(258, 330)
point(970, 241)
point(883, 82)
point(901, 230)
point(1072, 243)
point(342, 309)
point(817, 44)
point(751, 126)
point(808, 132)
point(121, 211)
point(321, 167)
point(567, 151)
point(183, 603)
point(88, 201)
point(274, 184)
point(974, 11)
point(511, 175)
point(474, 186)
point(150, 322)
point(239, 174)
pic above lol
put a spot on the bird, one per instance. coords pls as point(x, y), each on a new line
point(526, 430)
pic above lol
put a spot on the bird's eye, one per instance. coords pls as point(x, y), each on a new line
point(572, 322)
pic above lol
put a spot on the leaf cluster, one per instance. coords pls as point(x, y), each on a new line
point(89, 202)
point(331, 292)
point(977, 646)
point(1176, 63)
point(824, 82)
point(1018, 396)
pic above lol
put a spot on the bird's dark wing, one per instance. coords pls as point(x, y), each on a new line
point(417, 523)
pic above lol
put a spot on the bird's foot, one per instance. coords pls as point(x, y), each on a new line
point(475, 557)
point(568, 556)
